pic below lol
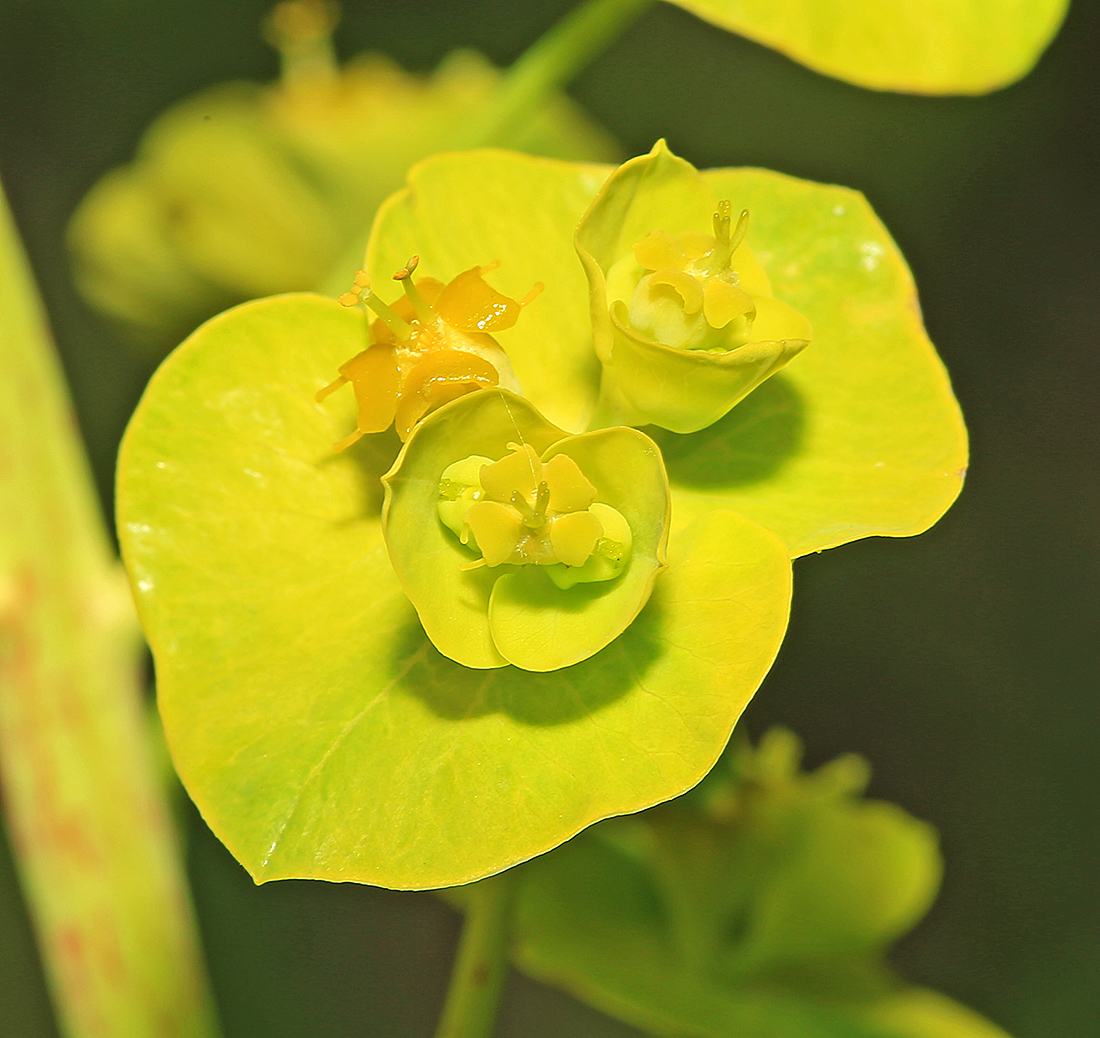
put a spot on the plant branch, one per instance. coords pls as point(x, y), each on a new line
point(478, 975)
point(92, 836)
point(552, 61)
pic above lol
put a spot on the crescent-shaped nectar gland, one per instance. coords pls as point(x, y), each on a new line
point(522, 511)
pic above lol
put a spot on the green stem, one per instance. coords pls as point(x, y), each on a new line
point(551, 62)
point(93, 838)
point(683, 859)
point(471, 1007)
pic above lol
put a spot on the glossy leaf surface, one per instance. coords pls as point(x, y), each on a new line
point(860, 435)
point(312, 722)
point(917, 46)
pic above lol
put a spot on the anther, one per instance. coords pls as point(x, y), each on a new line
point(722, 221)
point(740, 230)
point(424, 313)
point(360, 282)
point(725, 244)
point(407, 269)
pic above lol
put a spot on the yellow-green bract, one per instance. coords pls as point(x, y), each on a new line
point(313, 722)
point(917, 46)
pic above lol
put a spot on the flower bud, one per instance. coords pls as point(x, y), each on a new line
point(246, 190)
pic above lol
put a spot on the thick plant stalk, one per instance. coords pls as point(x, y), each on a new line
point(482, 960)
point(91, 832)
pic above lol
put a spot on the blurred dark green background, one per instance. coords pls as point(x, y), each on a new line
point(962, 663)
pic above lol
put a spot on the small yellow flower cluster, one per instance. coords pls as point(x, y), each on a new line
point(524, 511)
point(432, 346)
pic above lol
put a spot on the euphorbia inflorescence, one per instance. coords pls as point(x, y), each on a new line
point(522, 511)
point(488, 500)
point(346, 652)
point(431, 346)
point(694, 298)
point(686, 325)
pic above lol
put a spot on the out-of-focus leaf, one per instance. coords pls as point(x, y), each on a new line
point(669, 920)
point(916, 46)
point(244, 191)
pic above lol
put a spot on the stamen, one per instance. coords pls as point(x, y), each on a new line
point(361, 293)
point(355, 295)
point(717, 260)
point(531, 296)
point(389, 317)
point(407, 270)
point(739, 231)
point(519, 503)
point(542, 501)
point(330, 388)
point(425, 314)
point(722, 221)
point(347, 441)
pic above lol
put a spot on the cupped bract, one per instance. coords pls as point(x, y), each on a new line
point(318, 730)
point(482, 577)
point(684, 322)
